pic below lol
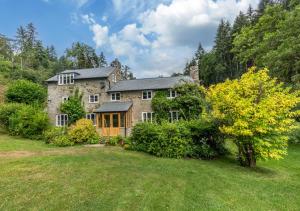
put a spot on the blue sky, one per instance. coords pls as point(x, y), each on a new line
point(153, 37)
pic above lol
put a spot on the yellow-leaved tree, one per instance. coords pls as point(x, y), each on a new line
point(257, 112)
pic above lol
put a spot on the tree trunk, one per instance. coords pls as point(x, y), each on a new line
point(246, 155)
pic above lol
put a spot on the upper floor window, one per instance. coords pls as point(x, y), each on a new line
point(147, 95)
point(114, 77)
point(174, 116)
point(94, 98)
point(66, 79)
point(91, 116)
point(61, 120)
point(171, 93)
point(147, 116)
point(115, 96)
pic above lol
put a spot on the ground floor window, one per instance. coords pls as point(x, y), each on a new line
point(147, 116)
point(61, 120)
point(174, 116)
point(92, 117)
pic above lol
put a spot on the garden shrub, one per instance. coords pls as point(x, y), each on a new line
point(83, 131)
point(196, 138)
point(29, 122)
point(6, 111)
point(142, 135)
point(52, 133)
point(62, 141)
point(116, 140)
point(208, 142)
point(27, 92)
point(173, 141)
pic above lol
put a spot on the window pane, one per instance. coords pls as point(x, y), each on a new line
point(122, 119)
point(118, 96)
point(96, 98)
point(106, 120)
point(72, 79)
point(115, 120)
point(149, 95)
point(144, 95)
point(144, 117)
point(65, 79)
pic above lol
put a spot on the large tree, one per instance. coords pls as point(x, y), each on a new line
point(272, 42)
point(82, 56)
point(256, 112)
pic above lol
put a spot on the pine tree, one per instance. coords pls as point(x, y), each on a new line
point(102, 60)
point(222, 48)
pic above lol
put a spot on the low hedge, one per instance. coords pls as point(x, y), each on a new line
point(196, 138)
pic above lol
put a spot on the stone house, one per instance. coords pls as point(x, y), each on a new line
point(114, 105)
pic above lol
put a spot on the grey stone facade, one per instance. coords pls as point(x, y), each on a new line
point(103, 87)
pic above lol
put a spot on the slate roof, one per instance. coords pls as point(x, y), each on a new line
point(148, 83)
point(114, 106)
point(103, 72)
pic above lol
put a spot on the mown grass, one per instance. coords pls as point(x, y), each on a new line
point(110, 178)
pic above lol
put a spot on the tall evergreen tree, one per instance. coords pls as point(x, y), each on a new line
point(102, 60)
point(222, 48)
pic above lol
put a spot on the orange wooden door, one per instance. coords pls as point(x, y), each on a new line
point(110, 124)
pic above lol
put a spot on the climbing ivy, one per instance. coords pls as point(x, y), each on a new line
point(190, 102)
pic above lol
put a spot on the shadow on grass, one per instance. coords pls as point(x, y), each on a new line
point(229, 161)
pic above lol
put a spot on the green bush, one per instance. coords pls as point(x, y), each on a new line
point(196, 138)
point(62, 141)
point(6, 111)
point(52, 133)
point(142, 135)
point(83, 131)
point(29, 122)
point(27, 92)
point(295, 135)
point(208, 142)
point(173, 141)
point(116, 140)
point(73, 107)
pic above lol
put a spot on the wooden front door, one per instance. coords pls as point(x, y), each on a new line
point(110, 124)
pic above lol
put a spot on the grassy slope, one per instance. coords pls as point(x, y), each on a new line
point(111, 178)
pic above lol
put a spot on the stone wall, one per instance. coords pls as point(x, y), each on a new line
point(86, 87)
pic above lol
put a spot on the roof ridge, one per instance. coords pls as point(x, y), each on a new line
point(156, 77)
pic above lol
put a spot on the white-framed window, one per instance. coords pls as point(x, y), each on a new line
point(61, 120)
point(65, 98)
point(91, 116)
point(116, 96)
point(94, 98)
point(114, 78)
point(171, 93)
point(174, 116)
point(147, 116)
point(147, 95)
point(66, 78)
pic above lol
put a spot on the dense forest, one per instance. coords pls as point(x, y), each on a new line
point(266, 37)
point(26, 57)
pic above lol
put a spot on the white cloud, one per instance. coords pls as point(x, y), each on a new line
point(164, 37)
point(100, 33)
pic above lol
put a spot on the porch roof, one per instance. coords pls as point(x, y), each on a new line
point(113, 107)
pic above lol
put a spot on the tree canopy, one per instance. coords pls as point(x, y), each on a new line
point(256, 111)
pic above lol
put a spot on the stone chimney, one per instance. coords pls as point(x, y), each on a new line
point(194, 73)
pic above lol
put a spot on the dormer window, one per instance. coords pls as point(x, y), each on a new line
point(66, 78)
point(172, 93)
point(115, 96)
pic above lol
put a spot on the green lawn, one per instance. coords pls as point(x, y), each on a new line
point(38, 177)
